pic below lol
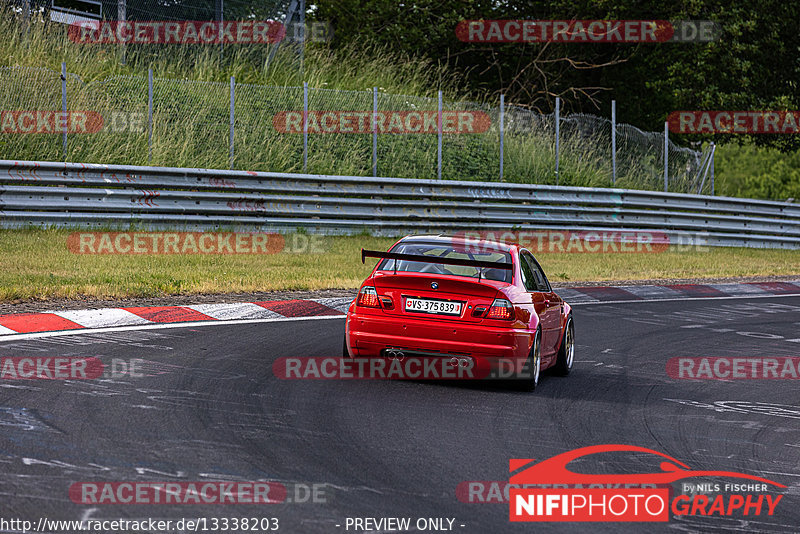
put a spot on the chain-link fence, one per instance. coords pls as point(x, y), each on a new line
point(171, 122)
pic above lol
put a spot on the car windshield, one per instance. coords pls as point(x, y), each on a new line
point(446, 250)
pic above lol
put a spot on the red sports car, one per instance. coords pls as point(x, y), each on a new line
point(459, 299)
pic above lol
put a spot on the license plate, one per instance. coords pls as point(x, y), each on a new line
point(440, 307)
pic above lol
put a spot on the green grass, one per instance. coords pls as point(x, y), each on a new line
point(47, 45)
point(191, 119)
point(757, 172)
point(36, 264)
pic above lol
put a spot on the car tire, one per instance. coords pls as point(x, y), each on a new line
point(566, 354)
point(533, 365)
point(345, 352)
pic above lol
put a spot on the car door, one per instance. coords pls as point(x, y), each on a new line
point(546, 302)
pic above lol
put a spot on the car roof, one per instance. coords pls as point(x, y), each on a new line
point(460, 240)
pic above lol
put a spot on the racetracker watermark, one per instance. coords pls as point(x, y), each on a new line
point(393, 367)
point(200, 492)
point(734, 122)
point(382, 122)
point(597, 242)
point(499, 491)
point(191, 242)
point(50, 122)
point(191, 32)
point(734, 368)
point(394, 364)
point(45, 368)
point(586, 31)
point(68, 368)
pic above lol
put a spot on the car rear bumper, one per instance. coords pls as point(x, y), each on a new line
point(370, 335)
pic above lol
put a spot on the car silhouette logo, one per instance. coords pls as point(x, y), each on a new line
point(554, 470)
point(434, 285)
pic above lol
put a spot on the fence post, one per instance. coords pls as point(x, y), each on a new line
point(713, 155)
point(613, 142)
point(121, 17)
point(149, 115)
point(302, 38)
point(220, 19)
point(666, 156)
point(64, 103)
point(502, 128)
point(374, 131)
point(305, 125)
point(439, 152)
point(558, 125)
point(230, 134)
point(26, 15)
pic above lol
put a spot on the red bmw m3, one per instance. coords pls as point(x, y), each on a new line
point(458, 299)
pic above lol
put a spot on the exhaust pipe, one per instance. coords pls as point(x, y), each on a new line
point(461, 361)
point(395, 354)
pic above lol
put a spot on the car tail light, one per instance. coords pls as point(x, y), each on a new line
point(501, 309)
point(387, 303)
point(368, 297)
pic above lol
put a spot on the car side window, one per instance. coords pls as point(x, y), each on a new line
point(527, 274)
point(540, 282)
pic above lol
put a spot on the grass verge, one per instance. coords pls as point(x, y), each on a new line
point(36, 264)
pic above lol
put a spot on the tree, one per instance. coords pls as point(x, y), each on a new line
point(754, 64)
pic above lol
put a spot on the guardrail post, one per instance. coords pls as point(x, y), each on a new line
point(502, 128)
point(149, 115)
point(64, 103)
point(558, 124)
point(666, 156)
point(439, 150)
point(305, 125)
point(374, 131)
point(230, 133)
point(613, 142)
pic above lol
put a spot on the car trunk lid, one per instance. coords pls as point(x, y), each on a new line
point(435, 297)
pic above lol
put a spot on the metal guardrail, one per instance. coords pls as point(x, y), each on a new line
point(157, 198)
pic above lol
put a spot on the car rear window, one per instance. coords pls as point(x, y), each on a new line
point(441, 250)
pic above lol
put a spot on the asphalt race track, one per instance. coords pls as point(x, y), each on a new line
point(210, 408)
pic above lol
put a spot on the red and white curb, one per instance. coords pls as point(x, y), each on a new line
point(68, 320)
point(267, 311)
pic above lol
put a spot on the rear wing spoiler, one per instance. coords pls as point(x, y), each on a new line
point(433, 259)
